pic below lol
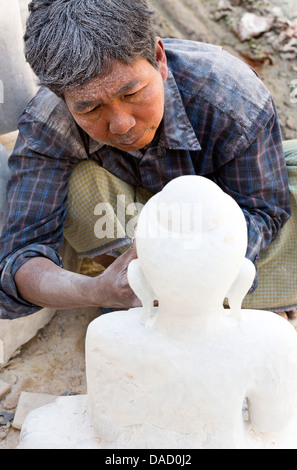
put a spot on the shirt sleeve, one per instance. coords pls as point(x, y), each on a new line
point(36, 209)
point(257, 179)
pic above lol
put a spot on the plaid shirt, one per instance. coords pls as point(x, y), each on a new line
point(219, 122)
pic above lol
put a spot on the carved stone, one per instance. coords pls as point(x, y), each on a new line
point(188, 373)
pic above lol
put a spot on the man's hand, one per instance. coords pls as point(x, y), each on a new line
point(115, 291)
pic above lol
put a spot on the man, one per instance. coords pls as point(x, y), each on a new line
point(128, 111)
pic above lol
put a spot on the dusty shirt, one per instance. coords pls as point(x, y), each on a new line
point(219, 122)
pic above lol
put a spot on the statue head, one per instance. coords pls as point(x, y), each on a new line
point(191, 241)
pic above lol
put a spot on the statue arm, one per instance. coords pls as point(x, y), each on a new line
point(272, 400)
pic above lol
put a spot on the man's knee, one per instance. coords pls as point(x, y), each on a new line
point(97, 207)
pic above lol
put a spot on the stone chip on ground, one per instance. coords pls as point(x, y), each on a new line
point(4, 389)
point(28, 402)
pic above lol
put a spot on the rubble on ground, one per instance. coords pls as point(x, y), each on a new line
point(254, 19)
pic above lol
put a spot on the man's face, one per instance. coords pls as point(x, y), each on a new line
point(124, 108)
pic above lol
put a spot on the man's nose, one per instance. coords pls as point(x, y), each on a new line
point(120, 122)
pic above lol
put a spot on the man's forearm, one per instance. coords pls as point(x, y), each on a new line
point(43, 283)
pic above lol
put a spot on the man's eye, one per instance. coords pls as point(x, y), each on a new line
point(130, 95)
point(97, 108)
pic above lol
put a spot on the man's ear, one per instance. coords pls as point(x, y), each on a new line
point(142, 288)
point(161, 58)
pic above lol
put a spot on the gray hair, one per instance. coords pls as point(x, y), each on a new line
point(69, 42)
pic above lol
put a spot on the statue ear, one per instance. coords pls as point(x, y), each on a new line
point(241, 286)
point(141, 287)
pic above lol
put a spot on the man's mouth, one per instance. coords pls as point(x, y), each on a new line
point(127, 140)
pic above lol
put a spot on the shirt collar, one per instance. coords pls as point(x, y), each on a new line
point(178, 132)
point(94, 145)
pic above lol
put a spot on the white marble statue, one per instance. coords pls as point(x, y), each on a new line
point(179, 375)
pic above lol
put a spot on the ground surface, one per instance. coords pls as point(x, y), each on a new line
point(53, 362)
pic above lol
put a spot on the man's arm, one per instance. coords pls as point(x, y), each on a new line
point(43, 283)
point(35, 215)
point(257, 179)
